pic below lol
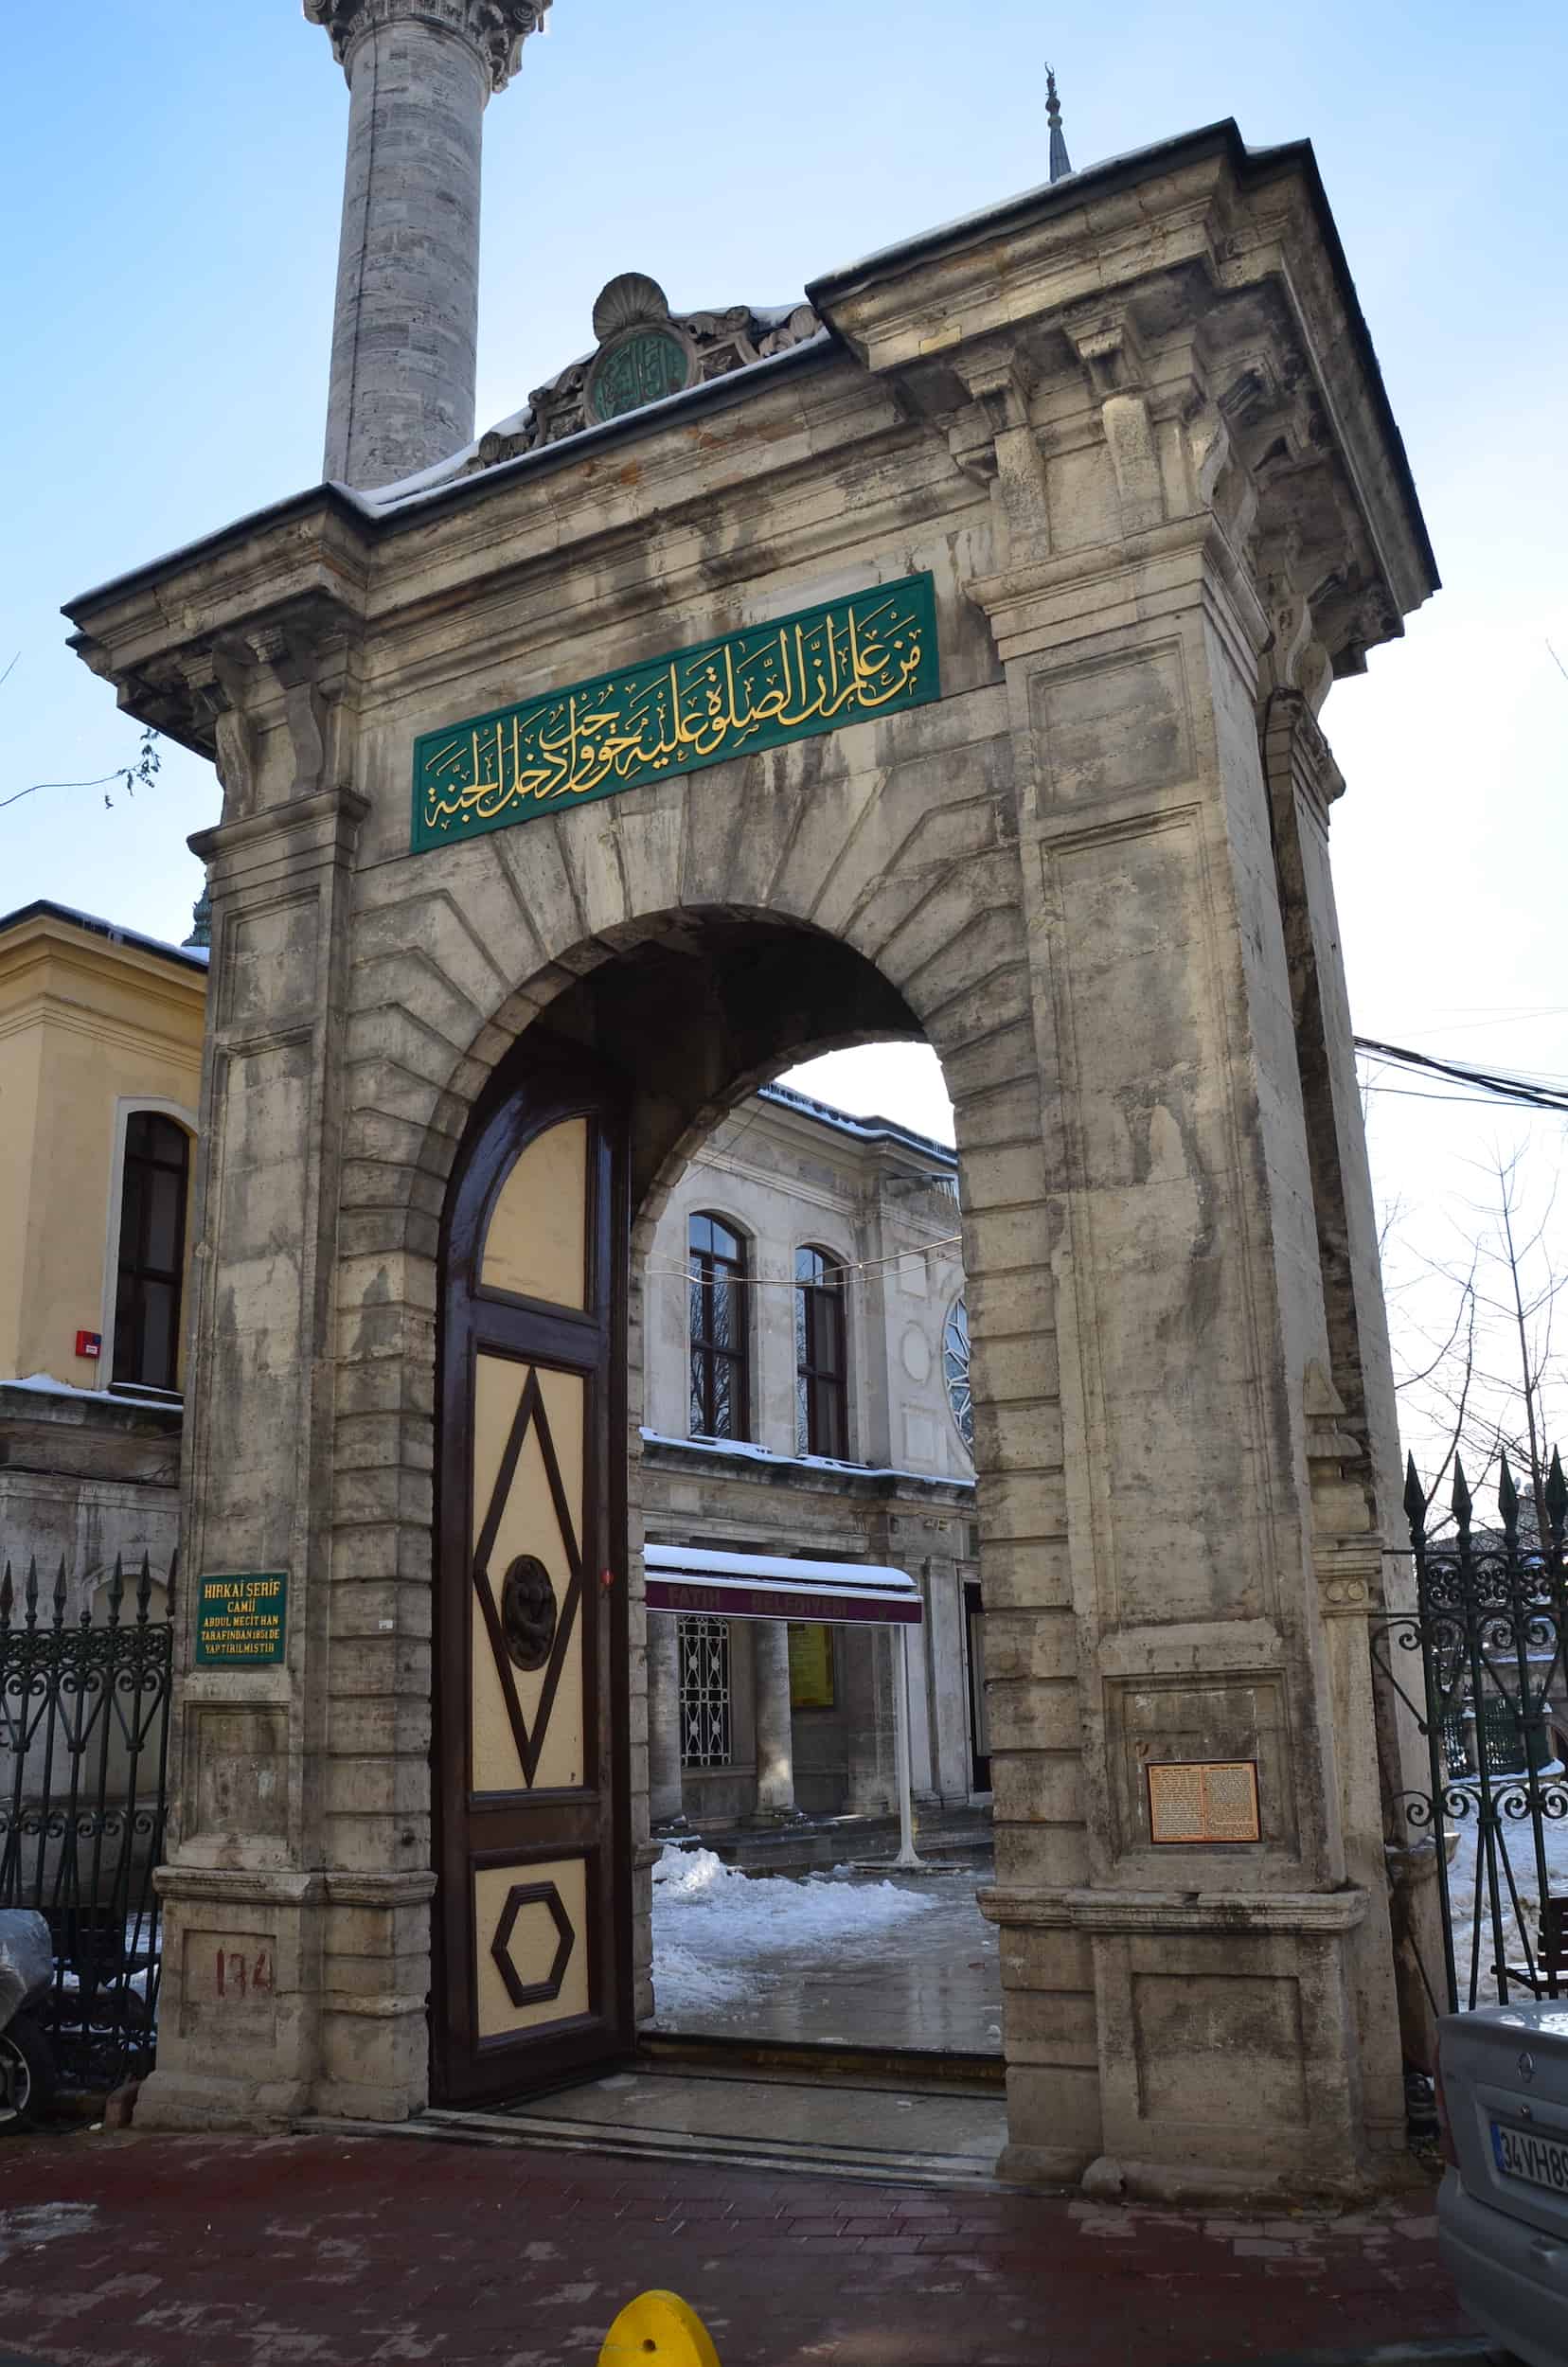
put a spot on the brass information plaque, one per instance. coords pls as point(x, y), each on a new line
point(1203, 1800)
point(241, 1619)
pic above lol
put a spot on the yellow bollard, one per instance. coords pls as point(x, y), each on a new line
point(658, 2330)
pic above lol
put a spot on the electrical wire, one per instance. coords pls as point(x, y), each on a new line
point(1523, 1091)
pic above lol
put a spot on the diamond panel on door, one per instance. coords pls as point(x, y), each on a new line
point(527, 1700)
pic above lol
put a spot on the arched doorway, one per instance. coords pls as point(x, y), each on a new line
point(538, 1745)
point(1085, 856)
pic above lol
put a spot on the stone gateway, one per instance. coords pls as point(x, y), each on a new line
point(1129, 434)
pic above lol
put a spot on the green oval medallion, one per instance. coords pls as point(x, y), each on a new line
point(641, 369)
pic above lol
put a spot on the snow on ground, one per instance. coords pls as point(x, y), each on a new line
point(714, 1925)
point(1470, 1890)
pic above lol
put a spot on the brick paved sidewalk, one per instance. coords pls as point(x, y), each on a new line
point(316, 2252)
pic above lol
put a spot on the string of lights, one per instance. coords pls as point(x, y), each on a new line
point(944, 1242)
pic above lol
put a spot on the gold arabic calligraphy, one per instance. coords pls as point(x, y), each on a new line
point(804, 674)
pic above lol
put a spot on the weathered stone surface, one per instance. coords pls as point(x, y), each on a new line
point(1062, 873)
point(420, 74)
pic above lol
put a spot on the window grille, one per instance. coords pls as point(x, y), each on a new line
point(822, 1409)
point(704, 1692)
point(716, 1264)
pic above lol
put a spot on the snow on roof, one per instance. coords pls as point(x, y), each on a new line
point(188, 956)
point(869, 1130)
point(409, 490)
point(745, 1448)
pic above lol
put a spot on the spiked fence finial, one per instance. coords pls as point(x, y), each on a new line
point(1461, 1498)
point(1507, 1502)
point(1556, 1498)
point(1414, 1502)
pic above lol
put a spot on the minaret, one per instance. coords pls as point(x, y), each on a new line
point(1060, 163)
point(421, 74)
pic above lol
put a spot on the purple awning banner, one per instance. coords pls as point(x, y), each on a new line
point(772, 1586)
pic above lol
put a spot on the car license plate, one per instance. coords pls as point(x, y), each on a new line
point(1525, 2153)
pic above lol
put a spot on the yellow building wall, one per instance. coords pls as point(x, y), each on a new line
point(94, 1024)
point(20, 1049)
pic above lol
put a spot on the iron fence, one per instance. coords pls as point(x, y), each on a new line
point(1482, 1661)
point(83, 1777)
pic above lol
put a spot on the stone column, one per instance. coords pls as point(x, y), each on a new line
point(665, 1801)
point(873, 1787)
point(421, 73)
point(774, 1737)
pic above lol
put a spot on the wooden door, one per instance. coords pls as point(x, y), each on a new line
point(532, 1971)
point(975, 1654)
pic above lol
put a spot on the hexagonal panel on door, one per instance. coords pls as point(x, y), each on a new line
point(534, 1922)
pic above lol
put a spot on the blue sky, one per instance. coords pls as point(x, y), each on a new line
point(170, 180)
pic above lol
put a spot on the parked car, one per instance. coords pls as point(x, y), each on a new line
point(1503, 2209)
point(26, 2063)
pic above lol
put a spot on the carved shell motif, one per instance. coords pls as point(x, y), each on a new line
point(625, 302)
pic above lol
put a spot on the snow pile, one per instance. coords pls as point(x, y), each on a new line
point(1471, 1895)
point(712, 1925)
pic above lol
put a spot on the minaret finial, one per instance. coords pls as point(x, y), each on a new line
point(1061, 162)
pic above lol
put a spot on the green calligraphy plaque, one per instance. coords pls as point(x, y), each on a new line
point(241, 1619)
point(870, 653)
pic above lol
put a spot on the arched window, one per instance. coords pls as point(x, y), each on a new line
point(956, 1369)
point(822, 1401)
point(716, 1266)
point(152, 1251)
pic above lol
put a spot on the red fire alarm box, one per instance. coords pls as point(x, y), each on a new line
point(89, 1343)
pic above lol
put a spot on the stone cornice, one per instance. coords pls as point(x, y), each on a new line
point(238, 1886)
point(409, 1888)
point(496, 29)
point(1227, 360)
point(1252, 1913)
point(326, 823)
point(1200, 360)
point(706, 1460)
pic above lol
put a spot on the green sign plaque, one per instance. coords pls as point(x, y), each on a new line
point(870, 653)
point(241, 1620)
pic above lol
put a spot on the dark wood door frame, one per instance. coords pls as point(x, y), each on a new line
point(980, 1770)
point(537, 1088)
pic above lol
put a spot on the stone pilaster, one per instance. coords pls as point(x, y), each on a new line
point(421, 73)
point(774, 1740)
point(1189, 1305)
point(665, 1806)
point(1354, 1405)
point(249, 1949)
point(872, 1771)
